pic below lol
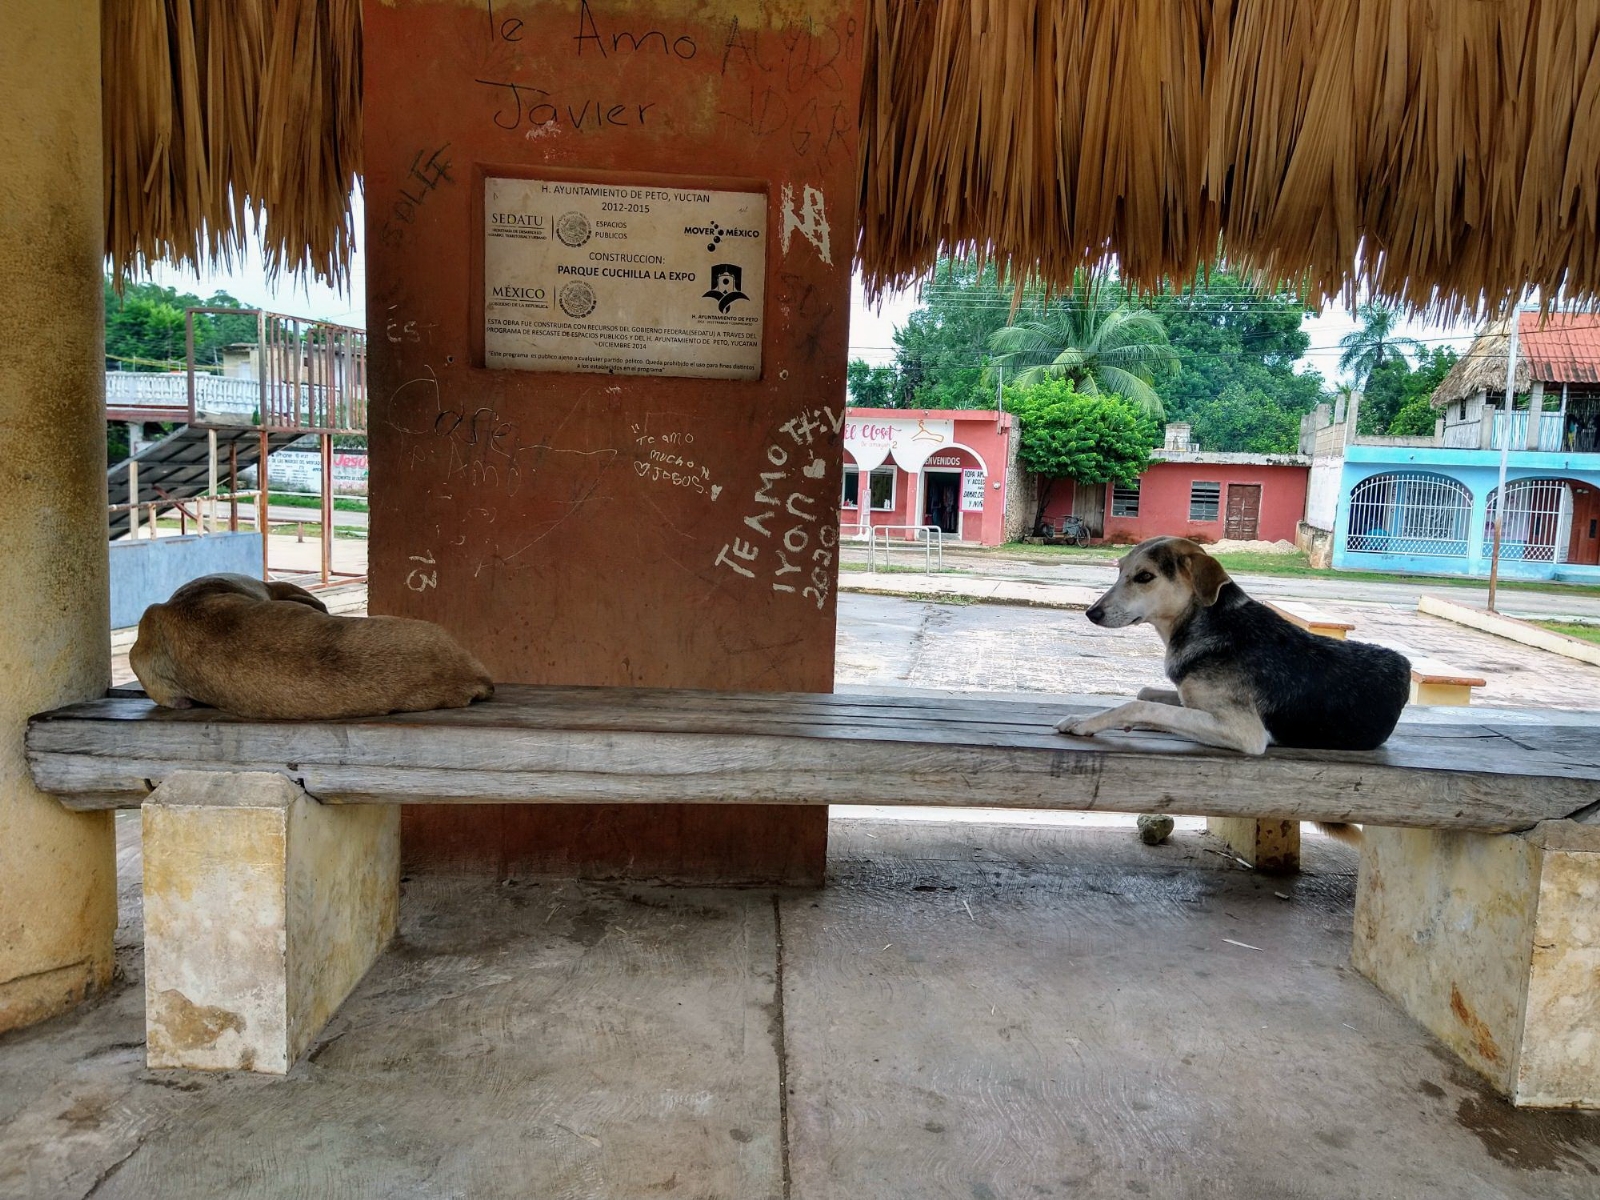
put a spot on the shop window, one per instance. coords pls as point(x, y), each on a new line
point(852, 487)
point(881, 489)
point(1205, 501)
point(1125, 501)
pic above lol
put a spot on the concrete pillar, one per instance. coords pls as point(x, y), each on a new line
point(1535, 411)
point(1492, 942)
point(1485, 421)
point(1272, 847)
point(262, 909)
point(58, 893)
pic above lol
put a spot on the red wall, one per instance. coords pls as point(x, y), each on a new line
point(522, 510)
point(981, 443)
point(1164, 501)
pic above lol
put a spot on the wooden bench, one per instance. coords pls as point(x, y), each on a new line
point(1310, 619)
point(272, 848)
point(1439, 684)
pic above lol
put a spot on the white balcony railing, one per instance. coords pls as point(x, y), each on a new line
point(218, 399)
point(1550, 427)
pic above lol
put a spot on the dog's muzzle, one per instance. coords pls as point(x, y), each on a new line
point(1097, 614)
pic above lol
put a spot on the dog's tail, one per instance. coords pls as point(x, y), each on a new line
point(1340, 831)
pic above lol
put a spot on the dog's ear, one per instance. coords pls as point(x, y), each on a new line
point(296, 595)
point(1208, 577)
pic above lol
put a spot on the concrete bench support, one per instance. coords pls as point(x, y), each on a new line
point(1492, 942)
point(1270, 846)
point(263, 908)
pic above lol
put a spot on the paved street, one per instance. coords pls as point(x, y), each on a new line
point(1340, 588)
point(891, 641)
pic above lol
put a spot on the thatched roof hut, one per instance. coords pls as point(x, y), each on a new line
point(1553, 348)
point(1482, 368)
point(1446, 154)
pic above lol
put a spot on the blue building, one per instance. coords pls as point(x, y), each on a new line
point(1426, 504)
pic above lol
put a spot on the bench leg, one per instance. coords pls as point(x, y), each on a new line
point(1492, 942)
point(262, 909)
point(1440, 695)
point(1272, 847)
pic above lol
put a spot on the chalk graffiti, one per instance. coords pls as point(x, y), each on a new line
point(792, 535)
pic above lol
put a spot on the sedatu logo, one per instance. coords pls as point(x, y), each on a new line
point(527, 223)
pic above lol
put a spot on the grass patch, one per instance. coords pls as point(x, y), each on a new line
point(1292, 565)
point(896, 569)
point(340, 503)
point(1586, 633)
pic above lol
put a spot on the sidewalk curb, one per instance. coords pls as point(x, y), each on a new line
point(1511, 629)
point(947, 597)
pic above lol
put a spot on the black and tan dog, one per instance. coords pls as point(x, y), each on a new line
point(1244, 675)
point(273, 650)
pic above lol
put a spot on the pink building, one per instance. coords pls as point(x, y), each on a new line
point(945, 467)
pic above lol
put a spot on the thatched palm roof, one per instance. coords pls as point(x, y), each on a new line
point(1447, 152)
point(1481, 368)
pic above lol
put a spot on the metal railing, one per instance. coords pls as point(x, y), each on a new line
point(1550, 430)
point(931, 538)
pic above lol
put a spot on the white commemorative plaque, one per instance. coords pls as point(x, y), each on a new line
point(623, 280)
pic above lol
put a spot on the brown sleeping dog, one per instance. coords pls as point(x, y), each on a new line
point(273, 650)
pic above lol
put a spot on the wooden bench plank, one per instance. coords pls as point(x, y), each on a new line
point(1311, 620)
point(586, 745)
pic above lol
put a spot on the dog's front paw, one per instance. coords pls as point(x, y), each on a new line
point(1078, 726)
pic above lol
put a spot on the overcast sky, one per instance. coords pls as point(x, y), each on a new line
point(871, 329)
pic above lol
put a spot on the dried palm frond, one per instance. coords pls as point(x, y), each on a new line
point(1443, 155)
point(220, 114)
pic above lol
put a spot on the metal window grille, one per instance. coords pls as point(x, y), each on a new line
point(1410, 513)
point(1205, 501)
point(1125, 501)
point(1536, 523)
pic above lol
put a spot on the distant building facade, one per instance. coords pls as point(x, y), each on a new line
point(1426, 504)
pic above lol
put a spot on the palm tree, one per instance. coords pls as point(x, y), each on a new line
point(1375, 343)
point(1095, 338)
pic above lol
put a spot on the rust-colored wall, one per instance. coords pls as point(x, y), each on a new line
point(520, 509)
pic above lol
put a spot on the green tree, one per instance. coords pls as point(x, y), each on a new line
point(1415, 419)
point(1229, 333)
point(1065, 434)
point(870, 386)
point(1395, 386)
point(146, 331)
point(1375, 344)
point(942, 351)
point(1094, 337)
point(1249, 421)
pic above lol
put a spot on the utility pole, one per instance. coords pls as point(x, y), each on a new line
point(1505, 453)
point(999, 393)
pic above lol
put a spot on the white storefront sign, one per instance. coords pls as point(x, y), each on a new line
point(972, 491)
point(623, 280)
point(911, 441)
point(301, 471)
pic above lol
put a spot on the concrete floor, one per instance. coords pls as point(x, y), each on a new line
point(968, 1011)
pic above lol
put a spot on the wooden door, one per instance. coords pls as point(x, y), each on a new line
point(1584, 546)
point(1244, 512)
